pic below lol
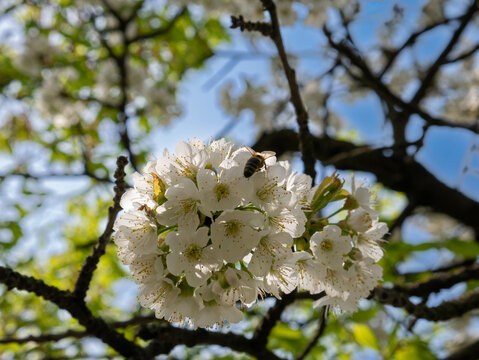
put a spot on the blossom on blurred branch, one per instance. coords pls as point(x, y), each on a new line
point(199, 237)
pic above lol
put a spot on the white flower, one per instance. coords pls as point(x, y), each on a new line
point(135, 234)
point(288, 221)
point(235, 233)
point(268, 192)
point(348, 304)
point(182, 205)
point(300, 186)
point(362, 196)
point(336, 282)
point(241, 288)
point(189, 254)
point(366, 275)
point(213, 314)
point(219, 151)
point(189, 158)
point(147, 268)
point(225, 190)
point(361, 220)
point(329, 246)
point(310, 273)
point(283, 276)
point(367, 242)
point(269, 248)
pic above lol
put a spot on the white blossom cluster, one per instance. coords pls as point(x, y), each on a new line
point(201, 239)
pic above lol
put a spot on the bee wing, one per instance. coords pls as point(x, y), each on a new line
point(268, 154)
point(250, 150)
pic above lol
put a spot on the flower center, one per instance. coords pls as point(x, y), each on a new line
point(188, 206)
point(185, 168)
point(221, 191)
point(326, 245)
point(267, 191)
point(232, 228)
point(193, 252)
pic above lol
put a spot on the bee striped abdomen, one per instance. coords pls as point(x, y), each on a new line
point(252, 165)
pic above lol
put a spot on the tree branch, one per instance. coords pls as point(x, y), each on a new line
point(411, 41)
point(319, 333)
point(76, 307)
point(445, 311)
point(77, 334)
point(269, 320)
point(274, 32)
point(442, 58)
point(441, 281)
point(165, 337)
point(305, 142)
point(86, 273)
point(161, 31)
point(372, 81)
point(466, 353)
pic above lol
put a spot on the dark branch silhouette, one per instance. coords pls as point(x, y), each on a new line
point(86, 273)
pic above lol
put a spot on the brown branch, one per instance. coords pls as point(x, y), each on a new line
point(441, 59)
point(259, 26)
point(76, 307)
point(77, 334)
point(319, 333)
point(305, 141)
point(121, 64)
point(445, 311)
point(165, 337)
point(159, 32)
point(369, 79)
point(269, 320)
point(463, 55)
point(441, 281)
point(444, 268)
point(411, 40)
point(274, 32)
point(86, 273)
point(468, 352)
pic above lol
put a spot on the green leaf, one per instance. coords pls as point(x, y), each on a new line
point(414, 352)
point(468, 249)
point(286, 338)
point(365, 336)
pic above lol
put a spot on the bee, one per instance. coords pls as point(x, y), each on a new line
point(256, 161)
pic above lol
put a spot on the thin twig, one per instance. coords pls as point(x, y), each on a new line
point(262, 331)
point(86, 273)
point(411, 40)
point(319, 333)
point(161, 31)
point(305, 141)
point(442, 58)
point(369, 79)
